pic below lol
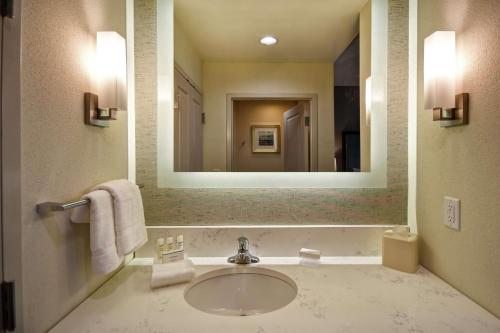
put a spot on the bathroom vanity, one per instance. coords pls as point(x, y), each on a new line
point(293, 123)
point(330, 298)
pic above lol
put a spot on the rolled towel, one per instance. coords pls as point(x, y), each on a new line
point(172, 273)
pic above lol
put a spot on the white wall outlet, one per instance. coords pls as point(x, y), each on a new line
point(452, 213)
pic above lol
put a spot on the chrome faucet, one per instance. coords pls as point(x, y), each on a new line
point(243, 256)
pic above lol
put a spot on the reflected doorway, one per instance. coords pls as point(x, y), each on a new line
point(272, 135)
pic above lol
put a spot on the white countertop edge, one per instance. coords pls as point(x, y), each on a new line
point(272, 226)
point(218, 261)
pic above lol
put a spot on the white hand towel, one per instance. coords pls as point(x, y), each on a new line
point(172, 273)
point(130, 227)
point(105, 258)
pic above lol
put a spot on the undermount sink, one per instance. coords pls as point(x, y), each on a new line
point(240, 291)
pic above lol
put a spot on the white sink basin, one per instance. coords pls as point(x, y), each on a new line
point(240, 291)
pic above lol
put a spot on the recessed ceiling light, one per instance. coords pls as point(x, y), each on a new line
point(268, 40)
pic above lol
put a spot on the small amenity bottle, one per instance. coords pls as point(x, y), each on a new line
point(180, 243)
point(160, 247)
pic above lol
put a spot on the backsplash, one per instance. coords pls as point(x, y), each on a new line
point(272, 206)
point(337, 241)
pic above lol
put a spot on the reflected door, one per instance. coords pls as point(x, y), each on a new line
point(188, 126)
point(296, 139)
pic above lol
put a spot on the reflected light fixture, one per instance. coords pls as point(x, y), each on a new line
point(268, 40)
point(111, 80)
point(368, 100)
point(439, 81)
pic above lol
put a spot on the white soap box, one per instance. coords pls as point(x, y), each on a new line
point(310, 253)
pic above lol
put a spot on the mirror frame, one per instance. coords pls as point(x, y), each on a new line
point(167, 178)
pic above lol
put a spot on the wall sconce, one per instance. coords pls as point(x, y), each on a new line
point(439, 81)
point(111, 77)
point(368, 100)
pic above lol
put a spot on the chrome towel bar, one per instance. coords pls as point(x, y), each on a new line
point(46, 207)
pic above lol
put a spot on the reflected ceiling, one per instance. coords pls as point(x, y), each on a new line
point(308, 30)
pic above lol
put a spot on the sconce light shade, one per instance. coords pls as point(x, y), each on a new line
point(439, 70)
point(368, 100)
point(111, 70)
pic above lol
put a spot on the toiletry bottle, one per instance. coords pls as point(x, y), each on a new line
point(160, 245)
point(170, 246)
point(180, 243)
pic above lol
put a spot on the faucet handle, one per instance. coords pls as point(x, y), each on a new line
point(243, 243)
point(254, 259)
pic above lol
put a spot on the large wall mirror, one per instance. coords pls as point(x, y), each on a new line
point(281, 93)
point(245, 107)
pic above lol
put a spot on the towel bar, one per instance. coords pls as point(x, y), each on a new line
point(46, 207)
point(59, 206)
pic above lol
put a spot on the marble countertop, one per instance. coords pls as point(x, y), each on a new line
point(331, 298)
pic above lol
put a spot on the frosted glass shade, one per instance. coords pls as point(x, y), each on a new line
point(111, 70)
point(368, 100)
point(439, 70)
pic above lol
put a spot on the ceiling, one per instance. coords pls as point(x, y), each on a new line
point(308, 30)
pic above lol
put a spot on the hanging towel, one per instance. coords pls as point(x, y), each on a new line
point(130, 227)
point(172, 273)
point(105, 257)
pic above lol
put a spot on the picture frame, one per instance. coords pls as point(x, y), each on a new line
point(266, 139)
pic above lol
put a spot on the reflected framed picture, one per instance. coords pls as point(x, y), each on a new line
point(266, 139)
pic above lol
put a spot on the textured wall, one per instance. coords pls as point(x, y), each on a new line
point(463, 162)
point(61, 157)
point(273, 206)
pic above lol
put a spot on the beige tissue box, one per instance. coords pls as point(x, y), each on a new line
point(400, 252)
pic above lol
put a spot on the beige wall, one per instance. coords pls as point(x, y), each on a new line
point(61, 157)
point(365, 58)
point(273, 206)
point(186, 56)
point(248, 113)
point(220, 79)
point(463, 162)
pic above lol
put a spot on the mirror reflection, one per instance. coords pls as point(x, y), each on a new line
point(272, 86)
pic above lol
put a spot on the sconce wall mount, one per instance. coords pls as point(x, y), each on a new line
point(94, 115)
point(457, 116)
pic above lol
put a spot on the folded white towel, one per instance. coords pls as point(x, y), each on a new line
point(130, 227)
point(172, 273)
point(105, 258)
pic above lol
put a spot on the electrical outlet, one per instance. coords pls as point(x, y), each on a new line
point(452, 213)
